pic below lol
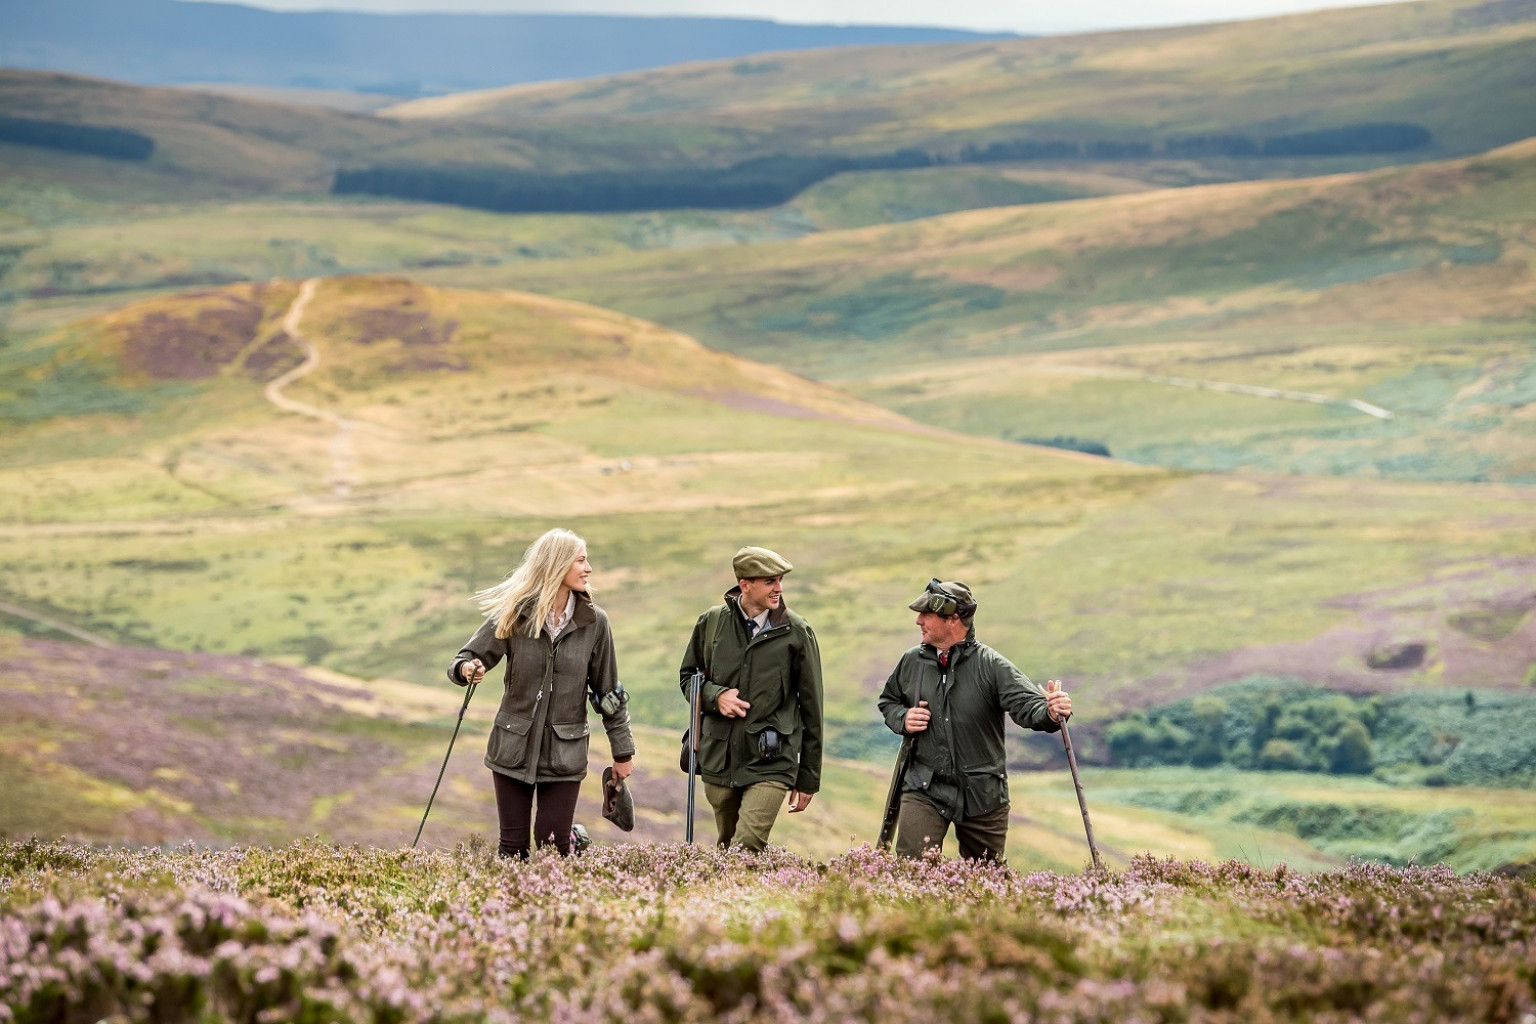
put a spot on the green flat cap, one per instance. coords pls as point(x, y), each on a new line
point(952, 598)
point(759, 564)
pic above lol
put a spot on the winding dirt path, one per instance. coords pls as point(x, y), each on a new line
point(340, 478)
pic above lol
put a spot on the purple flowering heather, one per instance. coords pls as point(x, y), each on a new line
point(673, 933)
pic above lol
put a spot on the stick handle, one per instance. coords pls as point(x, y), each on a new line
point(1082, 801)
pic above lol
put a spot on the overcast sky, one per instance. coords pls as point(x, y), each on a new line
point(988, 15)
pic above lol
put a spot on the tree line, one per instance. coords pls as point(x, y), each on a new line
point(95, 140)
point(1441, 737)
point(771, 180)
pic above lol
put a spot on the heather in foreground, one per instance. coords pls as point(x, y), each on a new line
point(664, 933)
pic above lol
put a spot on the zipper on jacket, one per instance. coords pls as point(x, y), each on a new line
point(549, 668)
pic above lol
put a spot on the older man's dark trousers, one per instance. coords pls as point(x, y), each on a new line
point(922, 828)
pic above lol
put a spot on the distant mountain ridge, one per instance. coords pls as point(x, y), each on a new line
point(167, 42)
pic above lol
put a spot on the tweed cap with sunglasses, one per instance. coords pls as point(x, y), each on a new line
point(946, 599)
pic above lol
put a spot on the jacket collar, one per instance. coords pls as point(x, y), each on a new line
point(958, 653)
point(776, 616)
point(583, 615)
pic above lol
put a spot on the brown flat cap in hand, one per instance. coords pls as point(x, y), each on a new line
point(618, 804)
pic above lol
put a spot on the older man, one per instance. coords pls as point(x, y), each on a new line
point(761, 733)
point(951, 692)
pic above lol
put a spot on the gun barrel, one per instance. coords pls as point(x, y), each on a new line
point(695, 685)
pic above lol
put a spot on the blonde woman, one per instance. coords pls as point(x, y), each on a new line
point(559, 654)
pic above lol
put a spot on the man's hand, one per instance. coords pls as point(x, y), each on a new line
point(621, 769)
point(1057, 703)
point(471, 671)
point(730, 705)
point(917, 718)
point(799, 801)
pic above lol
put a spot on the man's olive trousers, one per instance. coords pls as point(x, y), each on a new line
point(745, 815)
point(921, 828)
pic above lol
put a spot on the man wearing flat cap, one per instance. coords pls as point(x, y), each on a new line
point(950, 693)
point(761, 702)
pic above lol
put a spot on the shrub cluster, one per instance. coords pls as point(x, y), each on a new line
point(1459, 737)
point(669, 933)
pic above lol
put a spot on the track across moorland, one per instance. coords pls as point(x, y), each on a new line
point(340, 478)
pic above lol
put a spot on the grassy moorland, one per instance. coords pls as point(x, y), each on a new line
point(156, 497)
point(311, 932)
point(1422, 62)
point(190, 513)
point(1407, 289)
point(1104, 320)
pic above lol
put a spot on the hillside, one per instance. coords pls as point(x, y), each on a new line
point(1168, 107)
point(442, 429)
point(1435, 63)
point(1408, 290)
point(321, 473)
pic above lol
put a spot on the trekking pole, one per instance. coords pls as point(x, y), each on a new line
point(695, 684)
point(468, 693)
point(1082, 802)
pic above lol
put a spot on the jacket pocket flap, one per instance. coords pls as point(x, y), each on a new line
point(518, 724)
point(785, 730)
point(569, 730)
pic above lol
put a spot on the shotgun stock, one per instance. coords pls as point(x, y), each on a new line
point(893, 795)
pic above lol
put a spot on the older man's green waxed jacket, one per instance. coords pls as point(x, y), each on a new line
point(778, 672)
point(959, 762)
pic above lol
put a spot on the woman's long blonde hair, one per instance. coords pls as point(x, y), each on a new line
point(524, 600)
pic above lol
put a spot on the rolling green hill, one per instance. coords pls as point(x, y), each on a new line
point(156, 495)
point(1124, 320)
point(1439, 63)
point(1171, 106)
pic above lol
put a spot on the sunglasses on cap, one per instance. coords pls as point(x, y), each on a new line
point(944, 604)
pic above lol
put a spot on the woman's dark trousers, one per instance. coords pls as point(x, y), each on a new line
point(551, 826)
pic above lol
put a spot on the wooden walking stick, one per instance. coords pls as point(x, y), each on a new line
point(1077, 783)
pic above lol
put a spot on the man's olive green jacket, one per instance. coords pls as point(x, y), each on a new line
point(959, 762)
point(779, 673)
